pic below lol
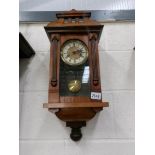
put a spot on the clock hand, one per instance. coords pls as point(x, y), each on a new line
point(76, 52)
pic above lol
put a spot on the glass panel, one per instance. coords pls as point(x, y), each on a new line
point(69, 73)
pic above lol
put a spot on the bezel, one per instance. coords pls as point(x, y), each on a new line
point(66, 60)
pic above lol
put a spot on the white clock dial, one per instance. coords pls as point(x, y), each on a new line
point(74, 52)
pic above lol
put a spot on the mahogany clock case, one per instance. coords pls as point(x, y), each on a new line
point(74, 108)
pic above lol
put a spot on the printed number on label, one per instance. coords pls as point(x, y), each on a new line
point(95, 95)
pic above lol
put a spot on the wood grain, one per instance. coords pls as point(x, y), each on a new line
point(76, 105)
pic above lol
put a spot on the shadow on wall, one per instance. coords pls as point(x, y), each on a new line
point(117, 70)
point(24, 65)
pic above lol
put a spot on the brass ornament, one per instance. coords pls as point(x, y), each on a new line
point(74, 86)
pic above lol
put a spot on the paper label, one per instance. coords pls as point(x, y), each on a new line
point(95, 95)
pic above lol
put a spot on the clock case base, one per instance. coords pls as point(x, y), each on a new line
point(76, 114)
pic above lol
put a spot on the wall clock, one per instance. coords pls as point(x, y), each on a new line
point(74, 93)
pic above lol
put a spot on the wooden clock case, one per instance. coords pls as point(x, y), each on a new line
point(74, 110)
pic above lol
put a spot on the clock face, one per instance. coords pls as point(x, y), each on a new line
point(74, 52)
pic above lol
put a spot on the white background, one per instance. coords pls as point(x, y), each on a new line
point(113, 127)
point(144, 78)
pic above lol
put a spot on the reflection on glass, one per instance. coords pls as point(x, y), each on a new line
point(85, 76)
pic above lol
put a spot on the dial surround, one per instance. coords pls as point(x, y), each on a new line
point(74, 52)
